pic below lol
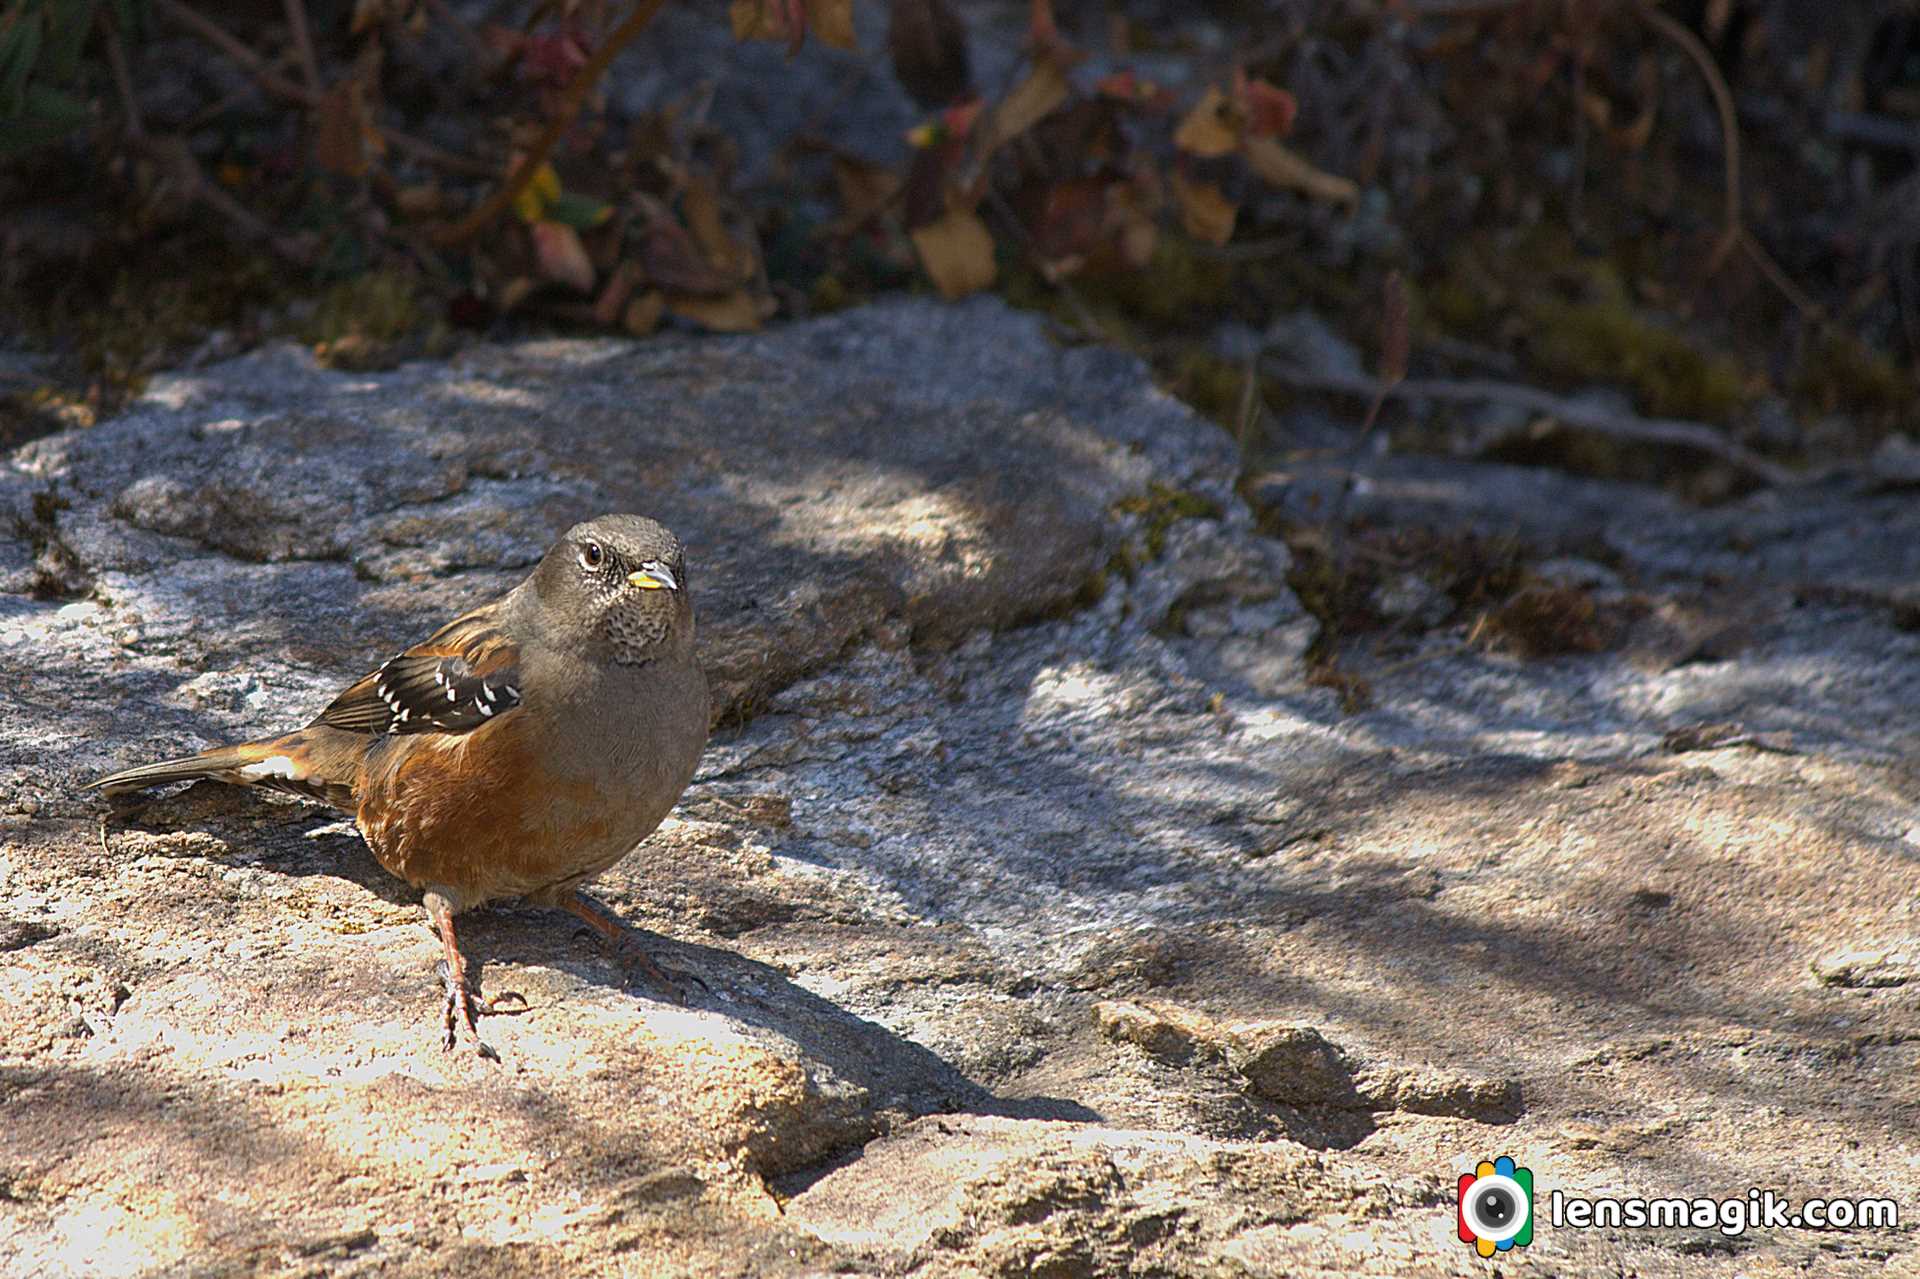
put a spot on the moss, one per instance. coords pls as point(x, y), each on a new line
point(1578, 319)
point(1177, 283)
point(359, 322)
point(1611, 340)
point(1212, 385)
point(1161, 507)
point(1843, 373)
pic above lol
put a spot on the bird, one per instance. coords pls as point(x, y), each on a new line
point(517, 752)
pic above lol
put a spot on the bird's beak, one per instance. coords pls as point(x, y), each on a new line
point(656, 578)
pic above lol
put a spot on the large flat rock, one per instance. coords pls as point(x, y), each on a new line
point(1051, 921)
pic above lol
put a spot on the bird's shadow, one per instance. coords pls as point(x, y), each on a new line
point(295, 838)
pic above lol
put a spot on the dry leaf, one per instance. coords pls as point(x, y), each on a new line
point(1030, 101)
point(1210, 129)
point(560, 255)
point(673, 260)
point(737, 312)
point(956, 252)
point(832, 23)
point(1205, 212)
point(644, 312)
point(1284, 168)
point(702, 208)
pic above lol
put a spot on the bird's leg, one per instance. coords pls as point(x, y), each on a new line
point(462, 1008)
point(626, 944)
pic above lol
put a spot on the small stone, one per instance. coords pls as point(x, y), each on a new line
point(1173, 1035)
point(1291, 1063)
point(1868, 969)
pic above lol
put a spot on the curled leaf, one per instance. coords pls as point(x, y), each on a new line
point(1284, 168)
point(1210, 129)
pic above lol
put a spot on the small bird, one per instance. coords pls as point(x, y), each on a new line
point(518, 751)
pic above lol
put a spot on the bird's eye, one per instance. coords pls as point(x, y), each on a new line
point(591, 555)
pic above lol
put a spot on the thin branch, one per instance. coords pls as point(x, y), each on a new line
point(268, 78)
point(1665, 431)
point(122, 76)
point(1690, 44)
point(576, 95)
point(303, 45)
point(256, 66)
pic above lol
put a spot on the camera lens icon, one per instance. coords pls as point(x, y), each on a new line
point(1496, 1206)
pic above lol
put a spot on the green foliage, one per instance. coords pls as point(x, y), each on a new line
point(42, 70)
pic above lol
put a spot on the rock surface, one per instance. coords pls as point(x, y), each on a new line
point(1051, 921)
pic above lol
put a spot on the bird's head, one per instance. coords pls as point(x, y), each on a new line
point(619, 581)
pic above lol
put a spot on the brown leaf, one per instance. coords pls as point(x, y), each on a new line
point(832, 23)
point(1205, 212)
point(928, 45)
point(643, 313)
point(1284, 168)
point(674, 261)
point(737, 312)
point(560, 256)
point(702, 208)
point(1032, 100)
point(956, 252)
point(1210, 129)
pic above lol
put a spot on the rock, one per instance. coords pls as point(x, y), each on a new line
point(1292, 1064)
point(1019, 770)
point(1867, 969)
point(1168, 1033)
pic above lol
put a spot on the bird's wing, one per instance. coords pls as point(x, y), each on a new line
point(464, 675)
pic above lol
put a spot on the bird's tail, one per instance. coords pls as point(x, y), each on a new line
point(304, 763)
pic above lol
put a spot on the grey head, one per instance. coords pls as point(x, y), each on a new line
point(615, 588)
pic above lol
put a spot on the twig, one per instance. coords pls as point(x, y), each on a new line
point(575, 97)
point(122, 77)
point(1667, 431)
point(1729, 124)
point(218, 36)
point(268, 78)
point(303, 45)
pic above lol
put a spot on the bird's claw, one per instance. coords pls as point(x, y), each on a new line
point(464, 1009)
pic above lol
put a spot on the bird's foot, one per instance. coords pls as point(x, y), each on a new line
point(636, 962)
point(463, 1011)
